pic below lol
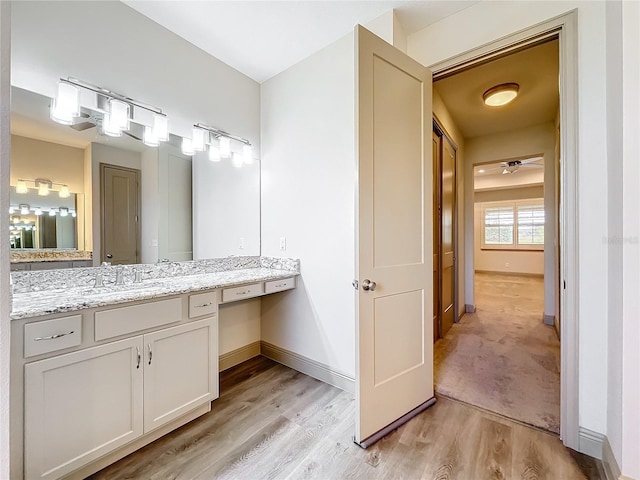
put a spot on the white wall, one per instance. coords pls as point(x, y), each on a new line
point(226, 208)
point(5, 162)
point(143, 60)
point(445, 120)
point(539, 139)
point(31, 158)
point(308, 180)
point(488, 21)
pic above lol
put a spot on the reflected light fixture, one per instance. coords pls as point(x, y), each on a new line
point(37, 211)
point(225, 147)
point(109, 127)
point(214, 153)
point(64, 192)
point(64, 211)
point(52, 213)
point(237, 160)
point(119, 112)
point(150, 139)
point(21, 187)
point(198, 139)
point(501, 94)
point(187, 147)
point(66, 105)
point(481, 171)
point(11, 210)
point(24, 209)
point(160, 127)
point(43, 186)
point(247, 154)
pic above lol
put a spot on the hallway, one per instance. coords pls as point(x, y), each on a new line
point(502, 357)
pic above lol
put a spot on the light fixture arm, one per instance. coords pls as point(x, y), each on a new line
point(111, 94)
point(221, 133)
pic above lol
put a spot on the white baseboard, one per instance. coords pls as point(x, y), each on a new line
point(611, 468)
point(590, 442)
point(239, 355)
point(309, 367)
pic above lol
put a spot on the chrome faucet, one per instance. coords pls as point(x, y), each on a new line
point(120, 276)
point(99, 281)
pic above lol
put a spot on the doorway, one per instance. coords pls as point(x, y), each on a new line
point(119, 214)
point(488, 348)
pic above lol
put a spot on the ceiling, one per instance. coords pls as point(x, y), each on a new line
point(264, 38)
point(534, 69)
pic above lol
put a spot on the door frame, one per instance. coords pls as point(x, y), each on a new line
point(138, 174)
point(446, 137)
point(565, 28)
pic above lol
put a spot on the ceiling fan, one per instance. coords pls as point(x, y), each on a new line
point(513, 166)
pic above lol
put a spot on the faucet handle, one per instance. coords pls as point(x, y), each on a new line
point(99, 281)
point(138, 278)
point(120, 276)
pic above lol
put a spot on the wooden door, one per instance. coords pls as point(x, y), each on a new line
point(394, 358)
point(180, 368)
point(435, 155)
point(120, 207)
point(81, 405)
point(447, 233)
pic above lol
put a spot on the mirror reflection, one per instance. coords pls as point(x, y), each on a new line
point(132, 203)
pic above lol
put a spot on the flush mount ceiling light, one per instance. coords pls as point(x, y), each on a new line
point(500, 94)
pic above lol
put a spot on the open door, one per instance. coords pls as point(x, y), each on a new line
point(394, 358)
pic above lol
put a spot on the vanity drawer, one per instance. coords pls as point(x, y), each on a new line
point(240, 293)
point(279, 285)
point(203, 304)
point(51, 335)
point(120, 321)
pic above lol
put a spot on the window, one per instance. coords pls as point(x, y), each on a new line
point(513, 225)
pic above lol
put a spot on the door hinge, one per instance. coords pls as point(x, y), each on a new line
point(355, 284)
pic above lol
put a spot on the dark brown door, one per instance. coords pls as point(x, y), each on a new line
point(120, 207)
point(447, 235)
point(436, 236)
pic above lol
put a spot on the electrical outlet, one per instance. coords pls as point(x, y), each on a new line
point(506, 264)
point(241, 243)
point(283, 244)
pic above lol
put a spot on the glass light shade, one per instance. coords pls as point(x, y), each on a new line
point(64, 192)
point(247, 154)
point(66, 105)
point(52, 213)
point(73, 213)
point(150, 138)
point(237, 160)
point(500, 94)
point(119, 112)
point(12, 210)
point(60, 115)
point(225, 147)
point(187, 147)
point(109, 127)
point(24, 209)
point(21, 187)
point(214, 153)
point(161, 127)
point(198, 140)
point(37, 211)
point(64, 211)
point(43, 189)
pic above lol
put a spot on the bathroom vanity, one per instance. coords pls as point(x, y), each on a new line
point(102, 367)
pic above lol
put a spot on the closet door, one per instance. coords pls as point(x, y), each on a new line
point(394, 359)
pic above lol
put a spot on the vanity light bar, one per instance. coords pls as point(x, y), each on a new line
point(222, 150)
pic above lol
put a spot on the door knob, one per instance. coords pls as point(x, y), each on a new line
point(368, 285)
point(109, 255)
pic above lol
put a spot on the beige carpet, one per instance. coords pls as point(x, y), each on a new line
point(503, 358)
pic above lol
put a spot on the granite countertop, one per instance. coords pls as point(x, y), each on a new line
point(46, 302)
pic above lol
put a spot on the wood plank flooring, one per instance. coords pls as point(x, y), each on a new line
point(272, 422)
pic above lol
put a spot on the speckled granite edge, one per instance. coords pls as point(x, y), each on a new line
point(48, 302)
point(44, 280)
point(45, 255)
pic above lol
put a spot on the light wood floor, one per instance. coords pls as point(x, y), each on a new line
point(272, 422)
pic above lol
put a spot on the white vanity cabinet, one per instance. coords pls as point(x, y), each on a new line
point(82, 405)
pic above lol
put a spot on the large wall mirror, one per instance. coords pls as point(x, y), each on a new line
point(186, 207)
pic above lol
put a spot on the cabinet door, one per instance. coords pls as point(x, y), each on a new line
point(180, 370)
point(80, 406)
